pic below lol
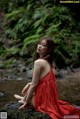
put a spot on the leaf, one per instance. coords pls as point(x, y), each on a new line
point(14, 13)
point(13, 50)
point(37, 23)
point(31, 38)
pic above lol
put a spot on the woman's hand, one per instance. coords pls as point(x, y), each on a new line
point(23, 106)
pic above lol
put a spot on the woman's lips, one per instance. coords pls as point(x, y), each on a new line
point(38, 49)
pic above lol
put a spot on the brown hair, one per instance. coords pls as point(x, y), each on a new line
point(50, 45)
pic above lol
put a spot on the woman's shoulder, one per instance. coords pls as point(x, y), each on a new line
point(40, 61)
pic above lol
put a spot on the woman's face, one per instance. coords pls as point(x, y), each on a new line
point(42, 48)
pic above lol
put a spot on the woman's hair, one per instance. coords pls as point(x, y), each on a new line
point(50, 45)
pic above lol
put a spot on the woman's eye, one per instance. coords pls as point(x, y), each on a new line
point(44, 45)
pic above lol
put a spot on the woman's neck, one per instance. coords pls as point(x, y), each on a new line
point(41, 56)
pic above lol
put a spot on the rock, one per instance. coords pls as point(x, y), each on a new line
point(29, 74)
point(13, 113)
point(22, 68)
point(30, 71)
point(12, 105)
point(19, 78)
point(1, 94)
point(61, 73)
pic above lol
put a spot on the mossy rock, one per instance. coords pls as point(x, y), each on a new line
point(30, 113)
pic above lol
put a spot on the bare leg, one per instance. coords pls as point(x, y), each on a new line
point(32, 101)
point(30, 104)
point(18, 97)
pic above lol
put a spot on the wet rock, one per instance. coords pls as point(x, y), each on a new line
point(29, 74)
point(30, 71)
point(61, 73)
point(14, 113)
point(77, 69)
point(20, 78)
point(22, 68)
point(58, 75)
point(12, 105)
point(1, 94)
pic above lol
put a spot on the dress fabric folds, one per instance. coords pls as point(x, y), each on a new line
point(46, 100)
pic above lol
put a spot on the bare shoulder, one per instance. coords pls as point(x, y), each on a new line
point(40, 62)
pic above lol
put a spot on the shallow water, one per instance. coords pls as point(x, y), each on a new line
point(8, 88)
point(68, 89)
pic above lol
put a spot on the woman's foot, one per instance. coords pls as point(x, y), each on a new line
point(18, 97)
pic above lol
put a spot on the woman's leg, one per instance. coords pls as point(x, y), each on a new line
point(31, 102)
point(29, 105)
point(18, 97)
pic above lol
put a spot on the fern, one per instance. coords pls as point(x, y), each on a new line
point(29, 20)
point(32, 38)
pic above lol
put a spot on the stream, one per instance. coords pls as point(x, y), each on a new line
point(14, 78)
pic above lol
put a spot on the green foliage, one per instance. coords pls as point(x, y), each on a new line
point(30, 20)
point(4, 4)
point(8, 63)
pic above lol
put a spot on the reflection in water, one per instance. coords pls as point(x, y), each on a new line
point(68, 90)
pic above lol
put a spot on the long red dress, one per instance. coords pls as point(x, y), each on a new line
point(46, 100)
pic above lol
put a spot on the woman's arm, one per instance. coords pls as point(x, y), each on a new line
point(35, 80)
point(24, 90)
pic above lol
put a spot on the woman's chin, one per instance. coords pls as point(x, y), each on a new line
point(37, 51)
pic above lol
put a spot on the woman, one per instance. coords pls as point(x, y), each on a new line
point(41, 93)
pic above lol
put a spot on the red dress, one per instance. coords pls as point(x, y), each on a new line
point(46, 100)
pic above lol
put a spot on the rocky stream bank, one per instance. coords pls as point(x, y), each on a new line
point(13, 79)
